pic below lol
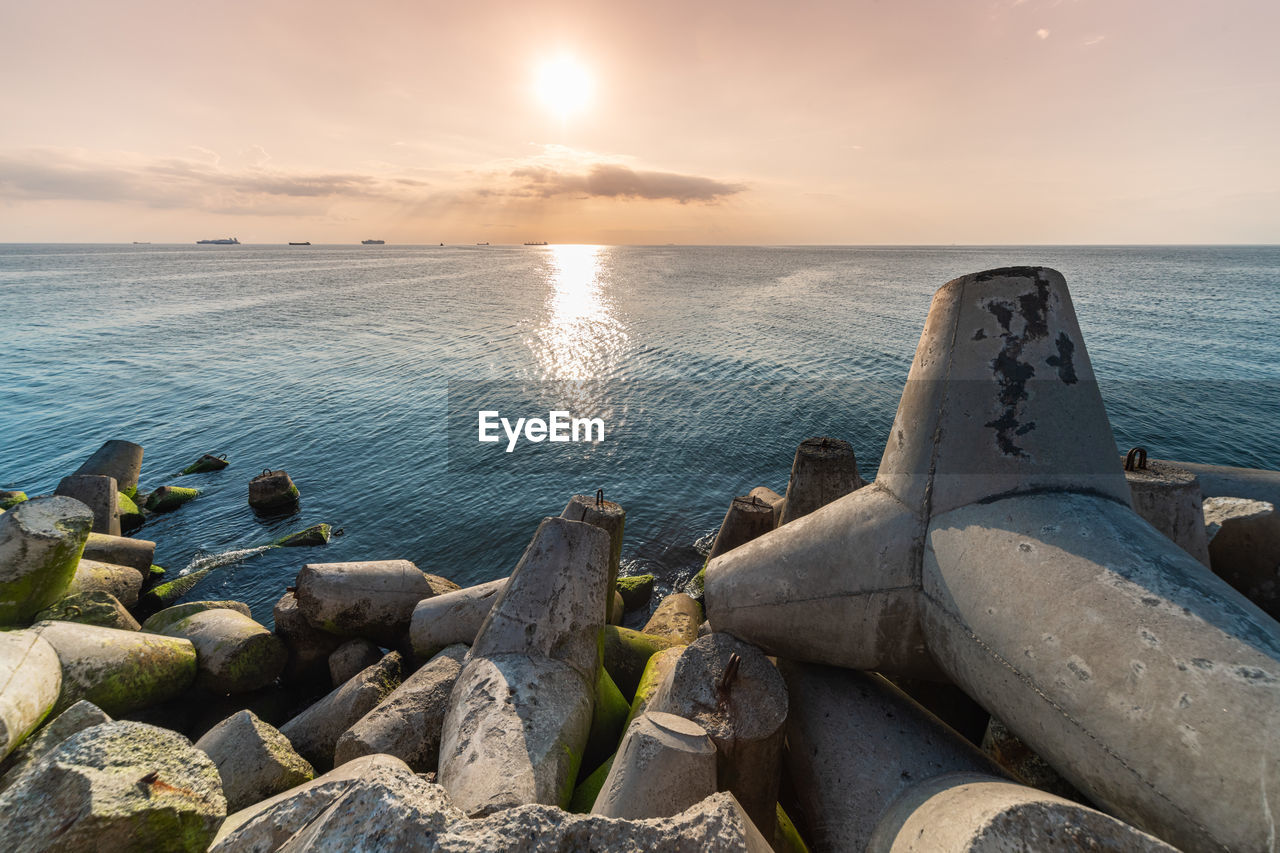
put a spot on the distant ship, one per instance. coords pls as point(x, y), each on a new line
point(373, 242)
point(142, 242)
point(306, 243)
point(482, 244)
point(536, 243)
point(225, 241)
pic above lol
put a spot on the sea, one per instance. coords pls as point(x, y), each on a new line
point(363, 370)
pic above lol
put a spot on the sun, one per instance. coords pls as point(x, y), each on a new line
point(564, 85)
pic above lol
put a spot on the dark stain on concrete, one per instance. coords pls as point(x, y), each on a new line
point(1010, 370)
point(1063, 360)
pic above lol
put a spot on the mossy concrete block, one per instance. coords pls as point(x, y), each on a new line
point(169, 498)
point(371, 803)
point(91, 608)
point(77, 718)
point(408, 723)
point(116, 786)
point(40, 544)
point(99, 495)
point(635, 591)
point(124, 582)
point(609, 713)
point(234, 654)
point(158, 622)
point(584, 796)
point(119, 671)
point(163, 595)
point(121, 460)
point(655, 673)
point(452, 617)
point(734, 692)
point(314, 733)
point(786, 838)
point(30, 682)
point(665, 764)
point(514, 732)
point(315, 535)
point(10, 499)
point(627, 652)
point(612, 519)
point(373, 599)
point(254, 760)
point(131, 515)
point(677, 619)
point(309, 648)
point(121, 550)
point(348, 659)
point(207, 462)
point(273, 492)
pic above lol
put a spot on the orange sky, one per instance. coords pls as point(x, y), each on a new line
point(863, 121)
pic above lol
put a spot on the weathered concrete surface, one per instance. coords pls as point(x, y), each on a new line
point(91, 608)
point(1245, 548)
point(170, 498)
point(119, 671)
point(124, 582)
point(1146, 623)
point(1002, 448)
point(40, 545)
point(747, 518)
point(77, 718)
point(30, 680)
point(99, 495)
point(1168, 496)
point(612, 519)
point(1225, 481)
point(117, 786)
point(121, 460)
point(309, 647)
point(732, 690)
point(234, 654)
point(253, 759)
point(408, 723)
point(839, 586)
point(314, 733)
point(121, 550)
point(767, 495)
point(157, 622)
point(627, 653)
point(665, 764)
point(374, 599)
point(823, 471)
point(656, 671)
point(348, 659)
point(131, 515)
point(856, 743)
point(976, 814)
point(273, 492)
point(452, 617)
point(521, 709)
point(677, 619)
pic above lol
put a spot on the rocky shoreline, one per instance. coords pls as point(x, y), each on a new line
point(1011, 639)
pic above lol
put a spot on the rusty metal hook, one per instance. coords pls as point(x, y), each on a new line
point(1136, 459)
point(599, 498)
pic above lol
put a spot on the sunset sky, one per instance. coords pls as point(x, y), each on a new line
point(856, 122)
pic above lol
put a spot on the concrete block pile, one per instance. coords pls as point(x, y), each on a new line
point(1104, 638)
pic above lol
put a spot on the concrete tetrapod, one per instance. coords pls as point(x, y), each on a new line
point(30, 679)
point(315, 732)
point(234, 654)
point(309, 647)
point(747, 518)
point(124, 582)
point(99, 495)
point(91, 608)
point(254, 760)
point(999, 499)
point(677, 619)
point(824, 470)
point(520, 712)
point(1245, 548)
point(664, 765)
point(372, 599)
point(121, 460)
point(1168, 496)
point(452, 617)
point(609, 517)
point(40, 545)
point(77, 718)
point(121, 550)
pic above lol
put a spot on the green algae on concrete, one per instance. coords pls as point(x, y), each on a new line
point(207, 462)
point(164, 594)
point(94, 607)
point(635, 591)
point(158, 622)
point(609, 712)
point(655, 672)
point(316, 534)
point(131, 517)
point(584, 796)
point(234, 654)
point(786, 838)
point(626, 653)
point(169, 498)
point(8, 500)
point(41, 542)
point(119, 671)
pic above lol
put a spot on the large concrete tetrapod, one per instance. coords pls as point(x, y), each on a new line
point(999, 538)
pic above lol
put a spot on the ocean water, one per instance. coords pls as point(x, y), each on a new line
point(360, 370)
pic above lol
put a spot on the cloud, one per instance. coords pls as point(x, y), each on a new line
point(613, 180)
point(1090, 42)
point(1042, 34)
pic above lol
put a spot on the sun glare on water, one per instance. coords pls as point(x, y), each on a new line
point(564, 85)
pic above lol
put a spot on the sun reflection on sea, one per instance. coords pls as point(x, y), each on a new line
point(579, 337)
